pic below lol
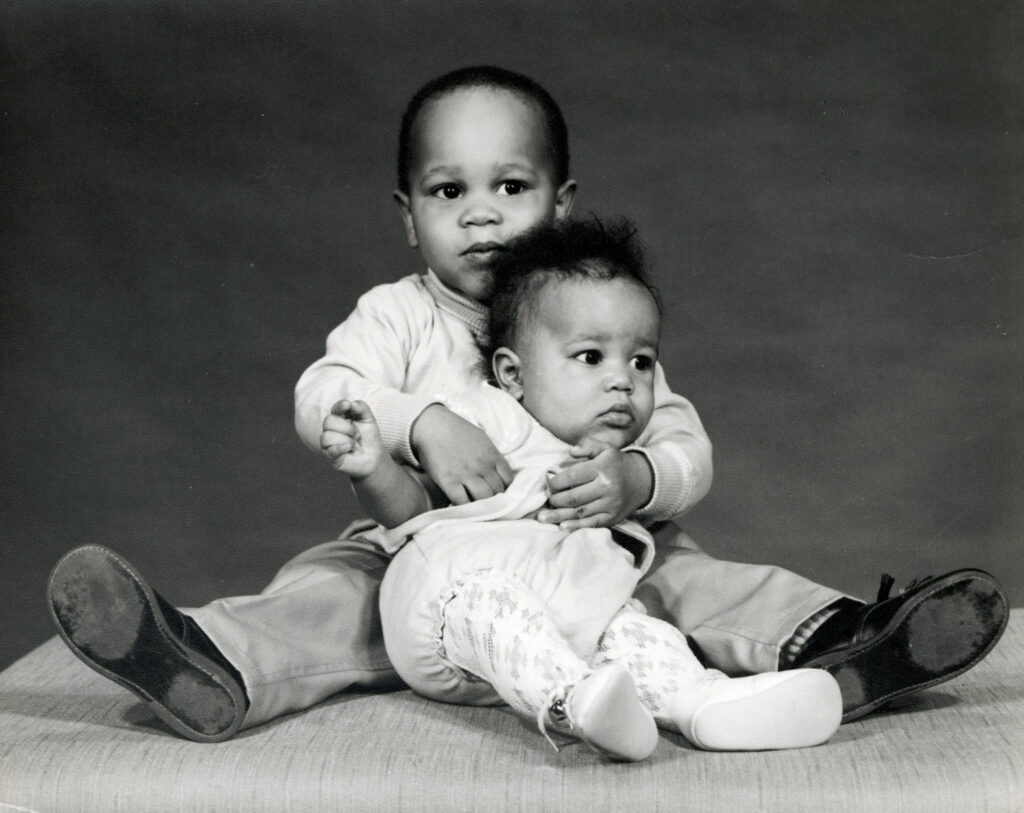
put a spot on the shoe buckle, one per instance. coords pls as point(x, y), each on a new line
point(555, 712)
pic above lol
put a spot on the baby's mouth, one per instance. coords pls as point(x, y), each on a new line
point(619, 417)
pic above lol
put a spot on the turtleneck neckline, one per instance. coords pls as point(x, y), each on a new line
point(467, 310)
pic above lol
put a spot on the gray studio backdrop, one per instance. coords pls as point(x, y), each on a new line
point(194, 194)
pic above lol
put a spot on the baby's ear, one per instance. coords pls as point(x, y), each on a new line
point(507, 372)
point(405, 209)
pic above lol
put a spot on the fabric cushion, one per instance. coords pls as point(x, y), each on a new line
point(72, 741)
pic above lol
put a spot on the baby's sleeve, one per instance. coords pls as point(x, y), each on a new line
point(507, 425)
point(366, 359)
point(679, 452)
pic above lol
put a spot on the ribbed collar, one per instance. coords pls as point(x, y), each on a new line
point(466, 310)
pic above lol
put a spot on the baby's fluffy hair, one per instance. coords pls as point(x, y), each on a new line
point(485, 76)
point(571, 250)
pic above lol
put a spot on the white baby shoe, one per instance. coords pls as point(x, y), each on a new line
point(604, 711)
point(772, 710)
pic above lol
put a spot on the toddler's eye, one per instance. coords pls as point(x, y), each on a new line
point(643, 363)
point(590, 357)
point(511, 188)
point(448, 191)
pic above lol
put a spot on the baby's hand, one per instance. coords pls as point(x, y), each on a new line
point(458, 456)
point(602, 488)
point(351, 439)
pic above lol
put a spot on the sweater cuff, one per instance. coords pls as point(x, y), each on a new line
point(673, 482)
point(396, 412)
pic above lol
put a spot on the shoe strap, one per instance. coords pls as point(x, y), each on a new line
point(885, 587)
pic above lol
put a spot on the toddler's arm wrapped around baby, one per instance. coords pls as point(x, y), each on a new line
point(377, 356)
point(664, 474)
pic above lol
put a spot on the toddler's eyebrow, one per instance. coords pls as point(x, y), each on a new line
point(440, 170)
point(514, 167)
point(497, 169)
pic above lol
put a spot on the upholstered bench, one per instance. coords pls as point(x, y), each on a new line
point(71, 741)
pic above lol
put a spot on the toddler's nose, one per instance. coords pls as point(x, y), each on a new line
point(479, 213)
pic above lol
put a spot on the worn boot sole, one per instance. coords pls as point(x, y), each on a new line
point(111, 619)
point(936, 635)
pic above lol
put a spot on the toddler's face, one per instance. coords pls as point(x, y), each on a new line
point(586, 360)
point(480, 177)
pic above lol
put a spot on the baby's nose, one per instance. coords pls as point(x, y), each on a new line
point(620, 379)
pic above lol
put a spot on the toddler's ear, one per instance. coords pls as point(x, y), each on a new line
point(507, 372)
point(402, 200)
point(564, 196)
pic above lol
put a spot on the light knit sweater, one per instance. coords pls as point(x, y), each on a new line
point(414, 342)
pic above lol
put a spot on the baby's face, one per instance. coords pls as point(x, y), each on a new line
point(480, 176)
point(587, 360)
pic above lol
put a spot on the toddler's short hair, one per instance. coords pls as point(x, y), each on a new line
point(485, 76)
point(570, 250)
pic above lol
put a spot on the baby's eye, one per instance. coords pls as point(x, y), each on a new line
point(511, 188)
point(591, 357)
point(448, 191)
point(643, 363)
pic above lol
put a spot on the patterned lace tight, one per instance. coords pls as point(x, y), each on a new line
point(497, 629)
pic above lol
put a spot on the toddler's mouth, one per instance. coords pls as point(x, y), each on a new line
point(483, 249)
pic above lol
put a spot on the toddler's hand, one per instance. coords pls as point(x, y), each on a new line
point(351, 439)
point(459, 457)
point(603, 487)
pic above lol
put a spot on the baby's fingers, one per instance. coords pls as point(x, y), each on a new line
point(336, 423)
point(337, 443)
point(335, 432)
point(337, 456)
point(352, 410)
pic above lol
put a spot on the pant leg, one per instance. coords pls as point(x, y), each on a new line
point(313, 632)
point(737, 616)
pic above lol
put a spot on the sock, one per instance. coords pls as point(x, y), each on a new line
point(191, 633)
point(657, 656)
point(497, 629)
point(827, 627)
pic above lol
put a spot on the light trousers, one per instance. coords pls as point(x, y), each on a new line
point(316, 628)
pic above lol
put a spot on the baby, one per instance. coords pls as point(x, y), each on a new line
point(484, 604)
